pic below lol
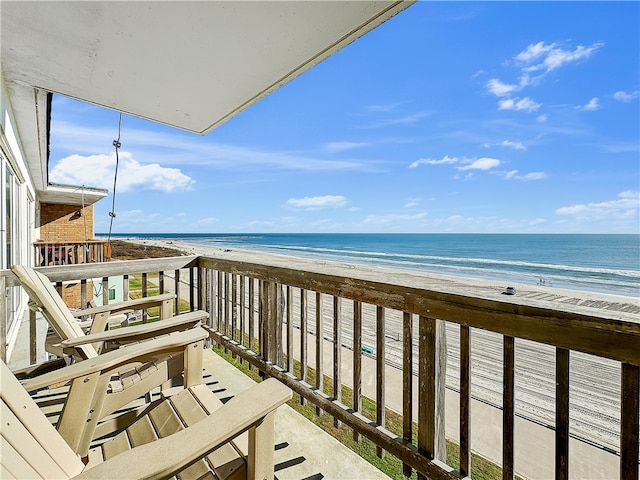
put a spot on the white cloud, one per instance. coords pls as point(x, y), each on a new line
point(548, 57)
point(316, 203)
point(501, 89)
point(624, 96)
point(514, 145)
point(480, 164)
point(626, 206)
point(513, 174)
point(429, 161)
point(542, 118)
point(99, 170)
point(592, 105)
point(526, 104)
point(412, 202)
point(335, 147)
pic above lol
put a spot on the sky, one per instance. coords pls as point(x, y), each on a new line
point(461, 117)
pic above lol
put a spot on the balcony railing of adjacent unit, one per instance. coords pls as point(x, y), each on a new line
point(271, 315)
point(69, 253)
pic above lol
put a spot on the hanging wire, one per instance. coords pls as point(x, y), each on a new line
point(112, 213)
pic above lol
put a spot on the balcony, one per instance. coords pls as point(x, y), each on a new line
point(70, 253)
point(449, 363)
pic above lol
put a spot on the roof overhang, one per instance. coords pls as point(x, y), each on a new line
point(72, 195)
point(189, 64)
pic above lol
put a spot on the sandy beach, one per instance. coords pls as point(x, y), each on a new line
point(595, 382)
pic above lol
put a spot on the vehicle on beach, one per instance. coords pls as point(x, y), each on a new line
point(509, 291)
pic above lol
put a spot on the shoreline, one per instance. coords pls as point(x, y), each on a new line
point(607, 305)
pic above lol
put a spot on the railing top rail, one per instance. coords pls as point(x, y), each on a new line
point(71, 242)
point(614, 335)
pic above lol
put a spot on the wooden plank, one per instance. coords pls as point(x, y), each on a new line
point(261, 452)
point(145, 293)
point(234, 307)
point(465, 401)
point(303, 339)
point(26, 446)
point(407, 384)
point(33, 338)
point(508, 408)
point(193, 363)
point(115, 446)
point(604, 335)
point(337, 354)
point(629, 422)
point(562, 414)
point(357, 363)
point(252, 316)
point(290, 329)
point(177, 289)
point(142, 432)
point(15, 462)
point(192, 286)
point(243, 314)
point(319, 346)
point(380, 372)
point(76, 409)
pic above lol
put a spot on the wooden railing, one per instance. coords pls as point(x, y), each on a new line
point(69, 253)
point(275, 317)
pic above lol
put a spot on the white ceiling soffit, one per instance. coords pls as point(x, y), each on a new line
point(191, 65)
point(72, 195)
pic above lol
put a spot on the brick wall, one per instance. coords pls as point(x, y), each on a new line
point(61, 223)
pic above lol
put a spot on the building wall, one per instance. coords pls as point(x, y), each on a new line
point(63, 223)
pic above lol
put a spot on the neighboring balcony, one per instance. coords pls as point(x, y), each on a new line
point(70, 253)
point(449, 364)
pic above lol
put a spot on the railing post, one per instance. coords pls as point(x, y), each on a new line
point(431, 380)
point(270, 307)
point(629, 422)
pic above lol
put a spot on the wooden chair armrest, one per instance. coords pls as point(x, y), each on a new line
point(135, 304)
point(121, 356)
point(168, 456)
point(136, 333)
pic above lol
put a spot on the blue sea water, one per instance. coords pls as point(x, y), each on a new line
point(601, 263)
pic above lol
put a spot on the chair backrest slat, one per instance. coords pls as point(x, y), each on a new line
point(53, 307)
point(31, 446)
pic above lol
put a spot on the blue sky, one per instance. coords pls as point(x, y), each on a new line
point(480, 117)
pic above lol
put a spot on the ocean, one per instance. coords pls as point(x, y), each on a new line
point(597, 263)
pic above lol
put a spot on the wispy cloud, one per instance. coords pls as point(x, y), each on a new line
point(480, 164)
point(513, 175)
point(547, 57)
point(622, 96)
point(534, 62)
point(336, 147)
point(508, 144)
point(525, 104)
point(317, 203)
point(99, 171)
point(626, 206)
point(171, 148)
point(592, 105)
point(464, 163)
point(429, 161)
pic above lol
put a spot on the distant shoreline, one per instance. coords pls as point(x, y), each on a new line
point(616, 307)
